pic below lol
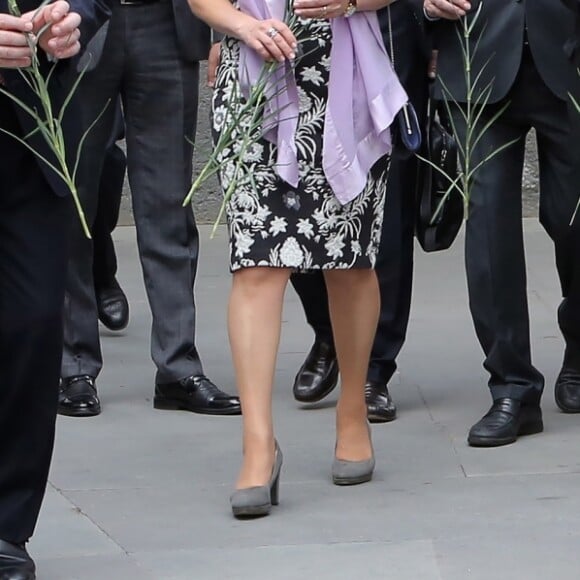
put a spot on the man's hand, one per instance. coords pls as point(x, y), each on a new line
point(448, 9)
point(14, 50)
point(61, 38)
point(213, 62)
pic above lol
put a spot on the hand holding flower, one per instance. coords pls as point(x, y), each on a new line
point(58, 29)
point(14, 49)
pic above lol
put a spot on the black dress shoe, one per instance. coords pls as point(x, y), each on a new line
point(505, 422)
point(78, 397)
point(380, 406)
point(567, 390)
point(318, 376)
point(15, 563)
point(112, 306)
point(197, 394)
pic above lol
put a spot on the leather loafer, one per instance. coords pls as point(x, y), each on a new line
point(567, 390)
point(505, 422)
point(15, 563)
point(197, 394)
point(78, 397)
point(318, 376)
point(113, 307)
point(380, 405)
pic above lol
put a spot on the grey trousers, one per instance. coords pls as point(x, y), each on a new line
point(159, 90)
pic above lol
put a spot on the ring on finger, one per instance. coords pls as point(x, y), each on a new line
point(325, 11)
point(272, 32)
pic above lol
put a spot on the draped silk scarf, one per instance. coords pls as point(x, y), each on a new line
point(364, 96)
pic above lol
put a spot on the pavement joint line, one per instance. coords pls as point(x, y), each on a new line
point(442, 428)
point(521, 474)
point(80, 511)
point(287, 545)
point(548, 305)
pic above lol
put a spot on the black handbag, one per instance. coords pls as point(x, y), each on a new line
point(439, 211)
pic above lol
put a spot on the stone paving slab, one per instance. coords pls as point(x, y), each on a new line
point(139, 493)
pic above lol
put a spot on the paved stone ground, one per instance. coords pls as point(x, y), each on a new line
point(143, 494)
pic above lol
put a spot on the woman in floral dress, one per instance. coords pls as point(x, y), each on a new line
point(278, 226)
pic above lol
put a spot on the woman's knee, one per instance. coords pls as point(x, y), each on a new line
point(259, 280)
point(352, 278)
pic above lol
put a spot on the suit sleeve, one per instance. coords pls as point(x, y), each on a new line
point(216, 36)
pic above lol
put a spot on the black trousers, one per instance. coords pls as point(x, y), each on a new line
point(395, 260)
point(109, 204)
point(33, 252)
point(494, 250)
point(394, 271)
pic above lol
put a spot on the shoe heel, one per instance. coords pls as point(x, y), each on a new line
point(275, 491)
point(258, 501)
point(165, 404)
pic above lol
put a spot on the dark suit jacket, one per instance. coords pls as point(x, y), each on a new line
point(501, 27)
point(93, 14)
point(410, 46)
point(573, 43)
point(192, 34)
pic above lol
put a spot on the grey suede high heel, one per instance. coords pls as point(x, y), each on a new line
point(346, 472)
point(258, 501)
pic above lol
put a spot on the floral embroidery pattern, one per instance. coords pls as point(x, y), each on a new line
point(273, 224)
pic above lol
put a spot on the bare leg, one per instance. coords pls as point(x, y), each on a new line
point(354, 304)
point(254, 321)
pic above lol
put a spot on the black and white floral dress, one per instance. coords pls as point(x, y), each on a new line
point(303, 228)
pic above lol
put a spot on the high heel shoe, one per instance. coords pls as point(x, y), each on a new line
point(345, 472)
point(258, 501)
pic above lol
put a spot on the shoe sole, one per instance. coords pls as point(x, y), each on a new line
point(345, 481)
point(172, 405)
point(254, 511)
point(528, 429)
point(114, 328)
point(381, 418)
point(68, 413)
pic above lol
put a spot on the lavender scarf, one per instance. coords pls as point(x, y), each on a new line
point(364, 95)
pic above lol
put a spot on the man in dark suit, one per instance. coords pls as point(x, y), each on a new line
point(112, 303)
point(35, 212)
point(572, 46)
point(532, 77)
point(318, 375)
point(149, 56)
